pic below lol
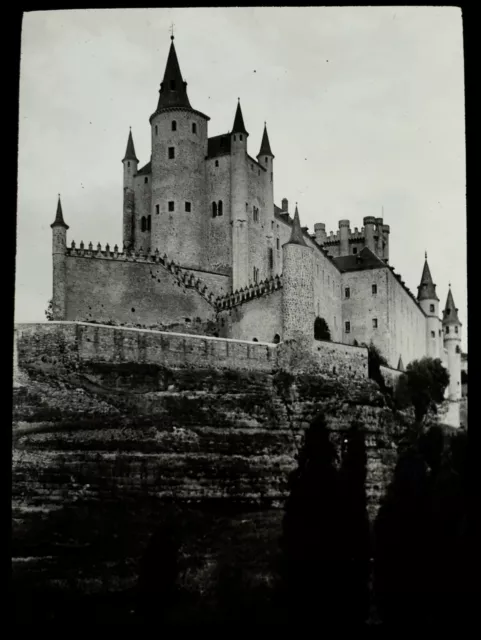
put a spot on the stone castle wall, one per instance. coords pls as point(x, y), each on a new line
point(259, 318)
point(219, 254)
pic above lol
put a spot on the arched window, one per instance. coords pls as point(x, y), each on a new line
point(277, 338)
point(149, 223)
point(174, 125)
point(143, 223)
point(194, 127)
point(214, 209)
point(219, 208)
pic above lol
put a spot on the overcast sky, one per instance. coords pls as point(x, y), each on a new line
point(364, 108)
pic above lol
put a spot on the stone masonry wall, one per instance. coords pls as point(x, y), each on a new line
point(219, 253)
point(259, 318)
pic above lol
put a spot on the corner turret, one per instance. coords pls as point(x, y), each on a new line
point(429, 303)
point(131, 163)
point(452, 343)
point(59, 248)
point(239, 202)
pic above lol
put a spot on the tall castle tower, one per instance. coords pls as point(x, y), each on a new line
point(429, 303)
point(265, 158)
point(59, 258)
point(131, 164)
point(239, 202)
point(298, 286)
point(452, 343)
point(179, 148)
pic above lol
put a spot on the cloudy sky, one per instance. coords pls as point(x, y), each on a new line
point(364, 108)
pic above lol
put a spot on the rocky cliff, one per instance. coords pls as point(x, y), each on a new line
point(104, 453)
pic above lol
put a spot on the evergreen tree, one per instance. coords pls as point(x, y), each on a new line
point(321, 329)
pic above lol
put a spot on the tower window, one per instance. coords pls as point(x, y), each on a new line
point(172, 85)
point(456, 329)
point(354, 250)
point(348, 327)
point(374, 323)
point(433, 334)
point(277, 243)
point(146, 180)
point(440, 332)
point(156, 130)
point(347, 292)
point(188, 207)
point(240, 137)
point(214, 209)
point(143, 223)
point(271, 176)
point(431, 308)
point(174, 125)
point(171, 205)
point(220, 207)
point(171, 153)
point(458, 350)
point(374, 289)
point(149, 223)
point(157, 208)
point(447, 329)
point(216, 163)
point(128, 164)
point(271, 258)
point(267, 160)
point(247, 207)
point(194, 127)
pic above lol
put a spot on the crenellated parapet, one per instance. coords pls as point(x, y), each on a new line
point(258, 290)
point(185, 277)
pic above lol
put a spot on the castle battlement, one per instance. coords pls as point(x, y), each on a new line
point(269, 285)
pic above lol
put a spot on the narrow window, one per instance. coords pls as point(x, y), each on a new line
point(172, 85)
point(188, 207)
point(174, 125)
point(374, 323)
point(433, 334)
point(157, 208)
point(240, 137)
point(194, 127)
point(348, 292)
point(271, 258)
point(171, 153)
point(171, 205)
point(220, 208)
point(354, 250)
point(128, 164)
point(271, 176)
point(277, 243)
point(254, 272)
point(440, 332)
point(216, 163)
point(214, 209)
point(143, 223)
point(267, 160)
point(374, 289)
point(456, 329)
point(277, 338)
point(458, 350)
point(156, 130)
point(247, 207)
point(146, 180)
point(149, 223)
point(447, 329)
point(348, 327)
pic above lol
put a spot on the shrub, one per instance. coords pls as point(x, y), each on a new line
point(321, 329)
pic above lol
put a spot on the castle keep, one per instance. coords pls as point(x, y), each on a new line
point(205, 250)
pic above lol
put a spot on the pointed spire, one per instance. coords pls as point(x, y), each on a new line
point(130, 151)
point(173, 89)
point(400, 364)
point(239, 126)
point(59, 221)
point(265, 145)
point(296, 233)
point(427, 288)
point(450, 313)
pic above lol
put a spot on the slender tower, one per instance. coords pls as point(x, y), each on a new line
point(59, 248)
point(265, 158)
point(131, 164)
point(298, 286)
point(239, 203)
point(452, 343)
point(429, 303)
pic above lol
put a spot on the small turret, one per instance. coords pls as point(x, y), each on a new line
point(452, 343)
point(400, 364)
point(429, 303)
point(320, 233)
point(239, 126)
point(239, 202)
point(298, 286)
point(285, 205)
point(369, 224)
point(131, 163)
point(59, 248)
point(344, 233)
point(265, 149)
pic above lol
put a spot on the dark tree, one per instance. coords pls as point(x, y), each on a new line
point(375, 360)
point(321, 329)
point(310, 537)
point(354, 526)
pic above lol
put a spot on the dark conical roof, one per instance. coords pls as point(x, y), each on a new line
point(427, 289)
point(265, 145)
point(59, 221)
point(239, 126)
point(450, 313)
point(400, 364)
point(173, 89)
point(130, 151)
point(297, 236)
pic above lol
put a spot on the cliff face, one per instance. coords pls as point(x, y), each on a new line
point(104, 453)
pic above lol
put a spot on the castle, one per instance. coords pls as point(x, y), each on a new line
point(205, 249)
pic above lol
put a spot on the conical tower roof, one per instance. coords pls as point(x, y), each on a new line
point(265, 145)
point(59, 221)
point(400, 364)
point(427, 288)
point(450, 313)
point(173, 89)
point(130, 151)
point(239, 126)
point(297, 236)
